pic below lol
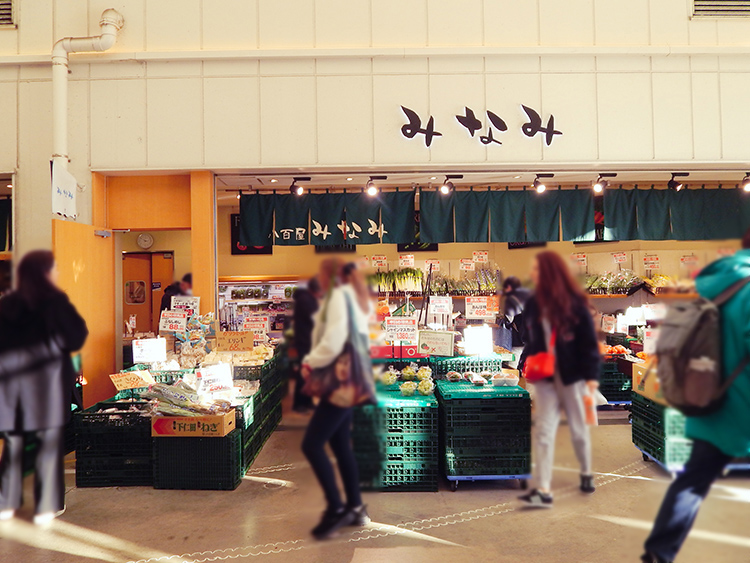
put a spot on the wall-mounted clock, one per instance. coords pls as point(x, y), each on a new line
point(145, 241)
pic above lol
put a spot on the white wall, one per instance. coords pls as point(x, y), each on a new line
point(318, 83)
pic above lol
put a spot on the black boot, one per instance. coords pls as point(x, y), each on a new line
point(587, 484)
point(359, 516)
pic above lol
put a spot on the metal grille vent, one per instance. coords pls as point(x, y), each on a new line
point(6, 12)
point(727, 8)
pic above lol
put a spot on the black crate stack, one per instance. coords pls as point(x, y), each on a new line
point(614, 383)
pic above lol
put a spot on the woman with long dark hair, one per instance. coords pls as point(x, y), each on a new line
point(558, 321)
point(39, 328)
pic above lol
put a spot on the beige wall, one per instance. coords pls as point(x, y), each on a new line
point(302, 260)
point(164, 241)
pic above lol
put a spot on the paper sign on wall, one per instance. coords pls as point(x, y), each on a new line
point(150, 350)
point(435, 342)
point(258, 325)
point(132, 379)
point(379, 262)
point(173, 321)
point(651, 263)
point(406, 261)
point(188, 303)
point(478, 308)
point(650, 336)
point(441, 305)
point(401, 329)
point(579, 259)
point(620, 257)
point(467, 264)
point(64, 190)
point(690, 261)
point(481, 256)
point(235, 341)
point(609, 323)
point(434, 263)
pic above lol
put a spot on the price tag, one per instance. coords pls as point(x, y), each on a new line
point(722, 252)
point(441, 305)
point(403, 329)
point(579, 259)
point(173, 321)
point(132, 379)
point(406, 261)
point(435, 343)
point(189, 304)
point(650, 336)
point(150, 350)
point(467, 264)
point(609, 323)
point(132, 322)
point(478, 308)
point(481, 256)
point(651, 263)
point(620, 257)
point(689, 261)
point(363, 262)
point(434, 263)
point(276, 291)
point(258, 325)
point(234, 341)
point(379, 262)
point(276, 299)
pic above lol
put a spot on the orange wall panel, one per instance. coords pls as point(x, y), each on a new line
point(148, 202)
point(99, 195)
point(203, 239)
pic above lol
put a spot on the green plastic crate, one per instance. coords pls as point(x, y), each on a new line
point(450, 390)
point(658, 419)
point(400, 476)
point(672, 453)
point(441, 366)
point(459, 465)
point(481, 446)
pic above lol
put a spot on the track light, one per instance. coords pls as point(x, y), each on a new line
point(370, 187)
point(298, 190)
point(539, 185)
point(677, 185)
point(448, 186)
point(601, 183)
point(745, 182)
point(274, 180)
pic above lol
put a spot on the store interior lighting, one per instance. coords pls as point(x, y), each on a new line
point(675, 184)
point(601, 182)
point(745, 183)
point(371, 189)
point(539, 184)
point(448, 185)
point(274, 180)
point(298, 190)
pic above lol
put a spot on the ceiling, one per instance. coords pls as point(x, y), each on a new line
point(228, 185)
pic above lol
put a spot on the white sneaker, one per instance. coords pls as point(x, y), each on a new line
point(47, 517)
point(7, 514)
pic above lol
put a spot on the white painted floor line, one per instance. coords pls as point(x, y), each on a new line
point(269, 481)
point(717, 537)
point(635, 477)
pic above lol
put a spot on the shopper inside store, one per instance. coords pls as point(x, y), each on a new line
point(346, 281)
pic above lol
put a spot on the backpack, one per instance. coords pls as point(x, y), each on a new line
point(689, 354)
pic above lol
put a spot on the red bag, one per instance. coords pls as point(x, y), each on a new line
point(542, 365)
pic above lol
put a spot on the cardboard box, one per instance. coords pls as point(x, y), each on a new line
point(216, 426)
point(651, 389)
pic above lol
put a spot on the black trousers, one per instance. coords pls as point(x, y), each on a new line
point(683, 499)
point(333, 424)
point(49, 475)
point(301, 401)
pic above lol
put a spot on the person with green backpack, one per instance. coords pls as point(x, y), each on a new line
point(721, 430)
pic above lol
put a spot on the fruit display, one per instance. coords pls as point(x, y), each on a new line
point(424, 373)
point(409, 373)
point(453, 376)
point(426, 387)
point(660, 283)
point(613, 350)
point(408, 388)
point(486, 374)
point(613, 283)
point(390, 377)
point(642, 356)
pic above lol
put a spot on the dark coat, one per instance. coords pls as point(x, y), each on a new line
point(515, 303)
point(171, 290)
point(577, 350)
point(305, 306)
point(37, 379)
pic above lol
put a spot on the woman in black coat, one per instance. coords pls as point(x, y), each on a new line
point(39, 328)
point(559, 311)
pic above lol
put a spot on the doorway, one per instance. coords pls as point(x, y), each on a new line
point(145, 276)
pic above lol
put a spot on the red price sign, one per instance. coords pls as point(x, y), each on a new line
point(402, 329)
point(478, 308)
point(434, 263)
point(579, 259)
point(651, 263)
point(406, 261)
point(481, 256)
point(173, 321)
point(467, 264)
point(620, 257)
point(379, 261)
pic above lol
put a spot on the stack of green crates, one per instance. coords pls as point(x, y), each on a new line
point(615, 385)
point(396, 443)
point(659, 432)
point(484, 431)
point(461, 364)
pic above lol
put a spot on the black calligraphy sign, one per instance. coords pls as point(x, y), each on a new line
point(414, 127)
point(534, 125)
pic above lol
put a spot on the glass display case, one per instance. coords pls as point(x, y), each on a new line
point(241, 300)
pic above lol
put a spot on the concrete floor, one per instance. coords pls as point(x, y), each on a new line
point(269, 516)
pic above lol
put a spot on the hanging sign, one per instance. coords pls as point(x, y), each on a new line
point(441, 305)
point(690, 261)
point(150, 350)
point(478, 307)
point(406, 261)
point(173, 321)
point(234, 341)
point(401, 329)
point(187, 303)
point(434, 263)
point(64, 189)
point(620, 257)
point(436, 342)
point(651, 263)
point(132, 379)
point(379, 262)
point(579, 259)
point(467, 264)
point(481, 256)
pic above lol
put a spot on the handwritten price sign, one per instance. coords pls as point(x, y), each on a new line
point(132, 380)
point(403, 329)
point(379, 261)
point(234, 341)
point(478, 308)
point(173, 321)
point(651, 263)
point(434, 263)
point(620, 257)
point(467, 264)
point(406, 261)
point(481, 256)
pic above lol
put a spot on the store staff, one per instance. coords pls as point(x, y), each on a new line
point(515, 302)
point(183, 287)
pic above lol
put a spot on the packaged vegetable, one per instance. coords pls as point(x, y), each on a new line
point(408, 388)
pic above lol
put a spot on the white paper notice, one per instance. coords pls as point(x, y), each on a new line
point(64, 190)
point(401, 329)
point(441, 305)
point(150, 350)
point(478, 308)
point(620, 257)
point(406, 261)
point(379, 261)
point(651, 263)
point(467, 264)
point(481, 256)
point(434, 263)
point(579, 259)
